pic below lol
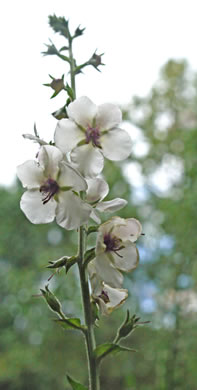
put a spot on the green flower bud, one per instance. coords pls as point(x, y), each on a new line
point(51, 300)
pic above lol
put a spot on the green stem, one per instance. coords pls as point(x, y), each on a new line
point(89, 334)
point(72, 67)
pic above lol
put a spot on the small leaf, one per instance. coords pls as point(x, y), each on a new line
point(60, 25)
point(76, 385)
point(71, 323)
point(103, 350)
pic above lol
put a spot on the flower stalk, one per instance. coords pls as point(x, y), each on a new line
point(89, 333)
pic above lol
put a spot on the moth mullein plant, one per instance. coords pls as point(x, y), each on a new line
point(65, 183)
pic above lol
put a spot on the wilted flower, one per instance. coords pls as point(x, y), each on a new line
point(91, 132)
point(50, 184)
point(96, 192)
point(115, 249)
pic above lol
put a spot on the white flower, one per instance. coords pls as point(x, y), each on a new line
point(91, 132)
point(108, 298)
point(115, 249)
point(96, 192)
point(50, 184)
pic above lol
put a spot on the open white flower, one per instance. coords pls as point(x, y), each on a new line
point(91, 132)
point(96, 192)
point(50, 184)
point(107, 298)
point(115, 249)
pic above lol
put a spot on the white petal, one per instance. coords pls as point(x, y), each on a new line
point(130, 230)
point(97, 190)
point(71, 177)
point(30, 174)
point(49, 158)
point(95, 216)
point(116, 144)
point(67, 135)
point(71, 211)
point(107, 272)
point(108, 116)
point(116, 297)
point(111, 205)
point(82, 111)
point(87, 160)
point(129, 257)
point(37, 212)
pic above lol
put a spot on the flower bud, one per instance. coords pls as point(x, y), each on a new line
point(51, 300)
point(96, 60)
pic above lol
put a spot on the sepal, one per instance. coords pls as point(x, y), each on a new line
point(89, 255)
point(75, 385)
point(92, 229)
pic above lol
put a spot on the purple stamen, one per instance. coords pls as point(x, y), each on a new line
point(104, 296)
point(49, 189)
point(93, 135)
point(113, 244)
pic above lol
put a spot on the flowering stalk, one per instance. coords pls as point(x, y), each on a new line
point(89, 334)
point(63, 184)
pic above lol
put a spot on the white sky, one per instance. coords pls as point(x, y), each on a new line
point(137, 36)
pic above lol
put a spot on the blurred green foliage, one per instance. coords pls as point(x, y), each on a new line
point(160, 184)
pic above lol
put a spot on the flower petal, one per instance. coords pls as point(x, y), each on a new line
point(111, 205)
point(87, 160)
point(126, 259)
point(95, 216)
point(67, 135)
point(72, 211)
point(130, 230)
point(37, 212)
point(82, 111)
point(108, 116)
point(49, 158)
point(97, 190)
point(30, 174)
point(70, 177)
point(116, 144)
point(116, 297)
point(107, 272)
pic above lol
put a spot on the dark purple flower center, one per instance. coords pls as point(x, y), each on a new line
point(113, 244)
point(93, 135)
point(104, 296)
point(48, 190)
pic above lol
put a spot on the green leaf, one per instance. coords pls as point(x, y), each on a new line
point(60, 25)
point(70, 92)
point(71, 323)
point(76, 385)
point(103, 350)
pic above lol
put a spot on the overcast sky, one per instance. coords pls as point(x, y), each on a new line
point(137, 36)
